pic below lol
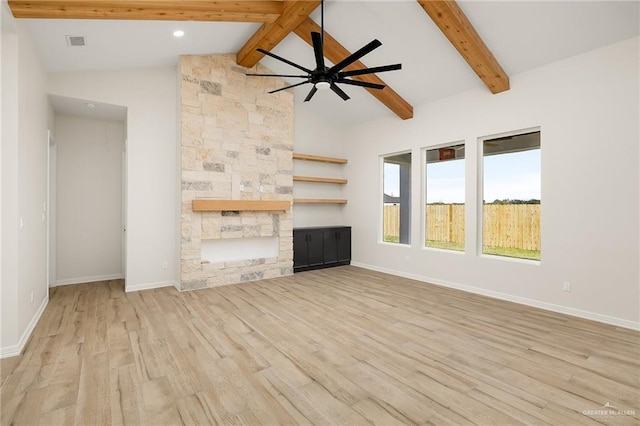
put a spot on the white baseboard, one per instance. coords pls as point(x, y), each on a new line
point(83, 280)
point(16, 349)
point(606, 319)
point(149, 286)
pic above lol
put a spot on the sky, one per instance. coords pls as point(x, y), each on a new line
point(391, 179)
point(513, 176)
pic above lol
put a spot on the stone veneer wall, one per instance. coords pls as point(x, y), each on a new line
point(237, 144)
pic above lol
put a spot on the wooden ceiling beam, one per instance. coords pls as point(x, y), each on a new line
point(452, 21)
point(159, 10)
point(335, 52)
point(270, 34)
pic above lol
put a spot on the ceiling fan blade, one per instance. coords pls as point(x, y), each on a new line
point(372, 70)
point(361, 83)
point(286, 61)
point(318, 50)
point(311, 93)
point(288, 87)
point(278, 75)
point(339, 92)
point(355, 56)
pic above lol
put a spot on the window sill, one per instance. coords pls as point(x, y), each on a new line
point(510, 259)
point(439, 250)
point(394, 244)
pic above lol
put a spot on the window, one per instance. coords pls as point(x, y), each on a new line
point(396, 216)
point(444, 212)
point(511, 193)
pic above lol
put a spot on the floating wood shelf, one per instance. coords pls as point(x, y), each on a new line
point(238, 205)
point(308, 157)
point(318, 201)
point(318, 179)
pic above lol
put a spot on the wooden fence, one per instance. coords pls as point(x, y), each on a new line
point(445, 223)
point(505, 225)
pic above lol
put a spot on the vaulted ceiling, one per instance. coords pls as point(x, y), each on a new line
point(445, 47)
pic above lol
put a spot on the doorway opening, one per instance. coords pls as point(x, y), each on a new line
point(87, 192)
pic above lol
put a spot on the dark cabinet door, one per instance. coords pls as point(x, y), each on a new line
point(300, 252)
point(343, 236)
point(315, 247)
point(330, 245)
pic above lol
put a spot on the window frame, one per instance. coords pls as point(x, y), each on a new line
point(423, 196)
point(480, 193)
point(381, 163)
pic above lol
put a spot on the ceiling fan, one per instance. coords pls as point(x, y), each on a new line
point(323, 77)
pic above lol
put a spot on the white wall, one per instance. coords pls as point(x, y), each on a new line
point(89, 199)
point(313, 135)
point(587, 108)
point(150, 97)
point(25, 113)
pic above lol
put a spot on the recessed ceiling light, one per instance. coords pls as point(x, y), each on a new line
point(90, 105)
point(178, 33)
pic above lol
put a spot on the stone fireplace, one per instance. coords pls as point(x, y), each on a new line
point(236, 144)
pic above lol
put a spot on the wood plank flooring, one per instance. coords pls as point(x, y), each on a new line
point(334, 346)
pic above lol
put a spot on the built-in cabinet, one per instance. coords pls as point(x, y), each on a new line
point(321, 247)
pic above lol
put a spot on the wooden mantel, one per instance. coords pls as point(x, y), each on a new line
point(203, 205)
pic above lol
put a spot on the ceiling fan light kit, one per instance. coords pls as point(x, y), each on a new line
point(323, 85)
point(325, 78)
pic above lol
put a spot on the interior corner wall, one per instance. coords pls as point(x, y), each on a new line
point(587, 108)
point(25, 111)
point(317, 136)
point(9, 281)
point(150, 97)
point(89, 195)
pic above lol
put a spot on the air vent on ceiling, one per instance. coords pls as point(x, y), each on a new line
point(75, 41)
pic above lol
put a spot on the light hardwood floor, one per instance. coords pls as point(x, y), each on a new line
point(335, 346)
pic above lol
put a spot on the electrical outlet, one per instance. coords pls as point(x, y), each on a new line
point(566, 286)
point(44, 217)
point(21, 222)
point(165, 265)
point(31, 297)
